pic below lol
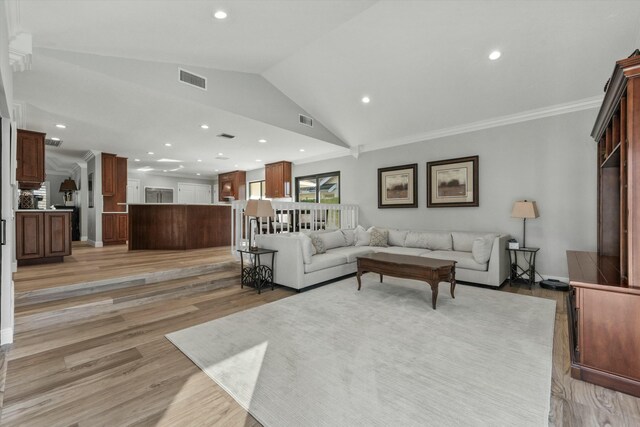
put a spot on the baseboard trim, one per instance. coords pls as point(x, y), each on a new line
point(6, 336)
point(84, 238)
point(95, 244)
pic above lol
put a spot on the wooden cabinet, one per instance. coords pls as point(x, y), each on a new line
point(108, 174)
point(277, 179)
point(114, 228)
point(30, 159)
point(604, 302)
point(232, 185)
point(42, 237)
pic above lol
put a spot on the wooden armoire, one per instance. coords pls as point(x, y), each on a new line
point(604, 299)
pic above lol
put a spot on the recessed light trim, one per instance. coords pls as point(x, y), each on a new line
point(203, 126)
point(198, 174)
point(61, 126)
point(495, 55)
point(220, 154)
point(164, 170)
point(163, 160)
point(136, 160)
point(199, 160)
point(366, 100)
point(235, 166)
point(302, 150)
point(167, 144)
point(55, 139)
point(262, 141)
point(258, 160)
point(151, 153)
point(220, 14)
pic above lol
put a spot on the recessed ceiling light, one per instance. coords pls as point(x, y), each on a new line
point(167, 145)
point(145, 169)
point(55, 139)
point(494, 55)
point(217, 170)
point(136, 160)
point(198, 174)
point(235, 166)
point(258, 160)
point(302, 150)
point(220, 14)
point(164, 170)
point(203, 126)
point(199, 160)
point(220, 154)
point(150, 152)
point(366, 100)
point(61, 126)
point(169, 160)
point(262, 141)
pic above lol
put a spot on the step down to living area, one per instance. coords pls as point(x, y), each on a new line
point(105, 299)
point(37, 296)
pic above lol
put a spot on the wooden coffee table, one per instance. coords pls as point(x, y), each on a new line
point(432, 271)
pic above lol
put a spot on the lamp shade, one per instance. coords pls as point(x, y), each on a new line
point(524, 209)
point(259, 209)
point(68, 185)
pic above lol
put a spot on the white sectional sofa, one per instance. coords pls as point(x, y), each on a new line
point(297, 265)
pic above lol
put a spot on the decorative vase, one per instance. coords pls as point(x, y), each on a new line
point(26, 200)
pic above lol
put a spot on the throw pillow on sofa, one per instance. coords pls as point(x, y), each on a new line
point(363, 237)
point(308, 250)
point(481, 249)
point(332, 239)
point(318, 244)
point(378, 237)
point(397, 237)
point(349, 236)
point(436, 241)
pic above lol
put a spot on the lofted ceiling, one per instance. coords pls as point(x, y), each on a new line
point(108, 70)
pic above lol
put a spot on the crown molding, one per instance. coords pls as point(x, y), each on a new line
point(342, 152)
point(90, 154)
point(20, 52)
point(525, 116)
point(19, 114)
point(207, 178)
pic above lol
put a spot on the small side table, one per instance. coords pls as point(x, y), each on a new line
point(257, 275)
point(516, 272)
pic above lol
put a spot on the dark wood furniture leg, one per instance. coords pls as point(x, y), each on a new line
point(359, 281)
point(452, 277)
point(434, 291)
point(381, 278)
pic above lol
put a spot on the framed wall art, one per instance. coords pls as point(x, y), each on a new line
point(453, 183)
point(398, 186)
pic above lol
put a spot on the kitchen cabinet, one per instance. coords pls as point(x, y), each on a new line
point(108, 174)
point(42, 237)
point(232, 185)
point(30, 159)
point(114, 228)
point(277, 179)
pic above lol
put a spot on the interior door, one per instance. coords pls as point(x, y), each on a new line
point(133, 191)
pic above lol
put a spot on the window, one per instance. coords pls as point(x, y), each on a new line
point(322, 188)
point(257, 190)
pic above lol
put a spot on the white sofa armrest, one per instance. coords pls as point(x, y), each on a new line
point(499, 262)
point(288, 264)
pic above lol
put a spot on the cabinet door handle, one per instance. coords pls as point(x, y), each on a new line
point(4, 232)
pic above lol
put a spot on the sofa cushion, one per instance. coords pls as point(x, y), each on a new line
point(363, 237)
point(308, 250)
point(463, 240)
point(378, 237)
point(322, 261)
point(352, 252)
point(481, 249)
point(396, 237)
point(332, 239)
point(433, 240)
point(464, 259)
point(403, 251)
point(318, 244)
point(349, 236)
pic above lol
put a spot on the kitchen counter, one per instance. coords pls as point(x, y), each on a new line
point(178, 226)
point(44, 210)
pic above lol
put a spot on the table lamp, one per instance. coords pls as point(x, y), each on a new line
point(526, 210)
point(68, 186)
point(257, 209)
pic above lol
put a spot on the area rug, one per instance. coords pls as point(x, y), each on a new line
point(335, 356)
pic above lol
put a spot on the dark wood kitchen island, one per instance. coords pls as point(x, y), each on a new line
point(173, 226)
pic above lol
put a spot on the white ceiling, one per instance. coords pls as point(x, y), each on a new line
point(423, 63)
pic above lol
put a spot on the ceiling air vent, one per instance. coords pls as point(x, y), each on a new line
point(193, 79)
point(221, 158)
point(53, 142)
point(226, 135)
point(304, 120)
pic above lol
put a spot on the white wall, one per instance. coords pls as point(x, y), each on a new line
point(91, 216)
point(165, 181)
point(551, 161)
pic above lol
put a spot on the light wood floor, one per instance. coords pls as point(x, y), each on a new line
point(89, 264)
point(103, 360)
